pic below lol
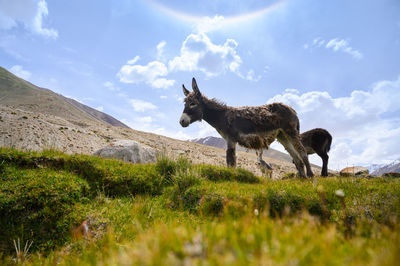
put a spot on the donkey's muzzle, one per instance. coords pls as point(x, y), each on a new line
point(185, 120)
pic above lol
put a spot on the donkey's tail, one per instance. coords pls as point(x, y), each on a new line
point(328, 143)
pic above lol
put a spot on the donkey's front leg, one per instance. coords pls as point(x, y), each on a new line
point(231, 154)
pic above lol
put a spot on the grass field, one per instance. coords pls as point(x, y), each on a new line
point(174, 212)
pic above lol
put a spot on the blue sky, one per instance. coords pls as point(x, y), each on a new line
point(336, 62)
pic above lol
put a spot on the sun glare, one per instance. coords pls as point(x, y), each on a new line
point(232, 19)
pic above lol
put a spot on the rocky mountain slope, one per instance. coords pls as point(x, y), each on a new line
point(18, 93)
point(211, 141)
point(393, 167)
point(32, 118)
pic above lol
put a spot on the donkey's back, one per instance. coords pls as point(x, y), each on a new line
point(261, 119)
point(317, 140)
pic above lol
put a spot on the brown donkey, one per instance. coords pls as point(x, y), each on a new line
point(318, 140)
point(252, 127)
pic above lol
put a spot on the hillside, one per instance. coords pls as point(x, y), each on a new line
point(83, 210)
point(18, 93)
point(32, 131)
point(211, 141)
point(33, 118)
point(393, 167)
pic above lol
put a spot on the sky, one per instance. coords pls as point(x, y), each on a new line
point(337, 63)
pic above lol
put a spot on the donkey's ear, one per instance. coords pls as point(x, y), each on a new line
point(195, 88)
point(185, 91)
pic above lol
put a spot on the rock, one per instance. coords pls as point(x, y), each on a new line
point(391, 174)
point(354, 171)
point(128, 151)
point(90, 228)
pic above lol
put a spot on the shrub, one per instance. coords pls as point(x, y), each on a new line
point(289, 175)
point(182, 194)
point(191, 199)
point(212, 204)
point(36, 203)
point(114, 177)
point(166, 168)
point(219, 173)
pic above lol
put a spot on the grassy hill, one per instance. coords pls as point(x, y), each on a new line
point(19, 93)
point(174, 212)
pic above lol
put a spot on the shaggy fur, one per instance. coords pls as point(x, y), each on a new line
point(318, 140)
point(252, 127)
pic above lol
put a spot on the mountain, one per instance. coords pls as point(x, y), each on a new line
point(211, 141)
point(374, 167)
point(34, 119)
point(389, 168)
point(221, 143)
point(18, 93)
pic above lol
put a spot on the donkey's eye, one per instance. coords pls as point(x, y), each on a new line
point(192, 105)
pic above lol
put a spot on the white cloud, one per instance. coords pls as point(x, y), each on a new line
point(38, 21)
point(144, 119)
point(363, 129)
point(133, 61)
point(162, 83)
point(318, 42)
point(210, 24)
point(30, 13)
point(21, 72)
point(199, 53)
point(109, 85)
point(343, 46)
point(141, 106)
point(149, 74)
point(205, 130)
point(172, 134)
point(251, 76)
point(337, 45)
point(160, 51)
point(147, 124)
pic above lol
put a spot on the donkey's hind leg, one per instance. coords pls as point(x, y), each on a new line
point(302, 151)
point(297, 160)
point(324, 156)
point(294, 137)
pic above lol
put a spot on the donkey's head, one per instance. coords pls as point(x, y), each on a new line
point(193, 105)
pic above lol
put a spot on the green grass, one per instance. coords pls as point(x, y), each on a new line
point(173, 212)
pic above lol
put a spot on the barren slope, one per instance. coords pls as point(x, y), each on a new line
point(34, 131)
point(18, 93)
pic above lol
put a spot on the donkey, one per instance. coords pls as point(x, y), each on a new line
point(253, 127)
point(318, 140)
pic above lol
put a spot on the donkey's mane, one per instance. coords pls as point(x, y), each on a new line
point(214, 104)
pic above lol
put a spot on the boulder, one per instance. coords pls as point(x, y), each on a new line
point(128, 151)
point(392, 174)
point(354, 171)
